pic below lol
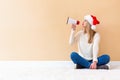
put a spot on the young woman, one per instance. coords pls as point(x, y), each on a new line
point(88, 45)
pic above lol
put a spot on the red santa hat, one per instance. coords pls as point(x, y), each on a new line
point(92, 20)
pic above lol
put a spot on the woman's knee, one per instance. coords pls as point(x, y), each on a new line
point(107, 57)
point(73, 55)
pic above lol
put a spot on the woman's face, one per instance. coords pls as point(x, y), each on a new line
point(85, 24)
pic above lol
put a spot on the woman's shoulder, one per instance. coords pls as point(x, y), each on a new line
point(97, 35)
point(81, 31)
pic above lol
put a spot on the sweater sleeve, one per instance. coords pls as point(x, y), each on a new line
point(74, 37)
point(96, 46)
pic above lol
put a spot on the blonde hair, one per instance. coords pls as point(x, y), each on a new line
point(91, 34)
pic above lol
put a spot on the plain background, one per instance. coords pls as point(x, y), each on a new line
point(37, 29)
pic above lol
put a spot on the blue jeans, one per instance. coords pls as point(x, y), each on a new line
point(77, 59)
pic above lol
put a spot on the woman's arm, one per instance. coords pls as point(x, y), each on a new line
point(96, 46)
point(95, 51)
point(73, 38)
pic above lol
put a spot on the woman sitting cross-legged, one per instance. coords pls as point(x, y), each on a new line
point(88, 40)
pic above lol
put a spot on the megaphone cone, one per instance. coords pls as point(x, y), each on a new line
point(72, 21)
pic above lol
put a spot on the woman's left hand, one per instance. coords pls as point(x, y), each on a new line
point(93, 65)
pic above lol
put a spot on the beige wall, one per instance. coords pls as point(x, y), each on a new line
point(37, 30)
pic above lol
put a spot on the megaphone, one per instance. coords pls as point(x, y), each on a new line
point(72, 21)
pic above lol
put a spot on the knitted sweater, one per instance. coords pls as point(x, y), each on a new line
point(89, 51)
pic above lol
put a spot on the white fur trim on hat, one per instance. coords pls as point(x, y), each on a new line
point(93, 27)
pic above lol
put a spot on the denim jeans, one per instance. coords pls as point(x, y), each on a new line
point(77, 59)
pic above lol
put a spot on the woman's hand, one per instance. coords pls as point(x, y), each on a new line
point(93, 65)
point(73, 26)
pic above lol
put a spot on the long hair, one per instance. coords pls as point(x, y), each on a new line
point(91, 34)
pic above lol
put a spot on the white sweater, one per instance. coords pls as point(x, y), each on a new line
point(89, 51)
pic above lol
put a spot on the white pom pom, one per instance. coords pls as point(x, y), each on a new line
point(93, 27)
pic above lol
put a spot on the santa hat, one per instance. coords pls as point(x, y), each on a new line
point(92, 20)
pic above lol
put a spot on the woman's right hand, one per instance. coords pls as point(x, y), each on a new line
point(73, 27)
point(93, 65)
